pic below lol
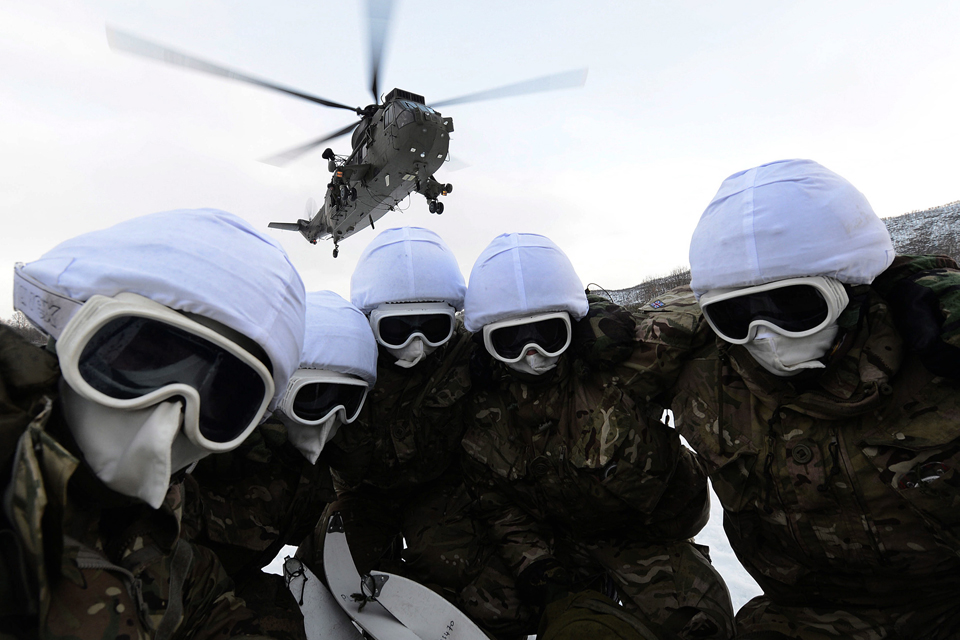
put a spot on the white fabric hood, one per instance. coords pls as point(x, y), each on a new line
point(407, 264)
point(787, 219)
point(338, 338)
point(521, 274)
point(202, 261)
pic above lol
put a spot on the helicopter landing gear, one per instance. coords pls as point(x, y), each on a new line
point(435, 206)
point(353, 194)
point(344, 192)
point(336, 250)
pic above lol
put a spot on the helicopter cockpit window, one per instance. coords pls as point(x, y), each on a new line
point(390, 114)
point(405, 117)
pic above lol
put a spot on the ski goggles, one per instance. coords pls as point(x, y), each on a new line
point(509, 340)
point(314, 395)
point(395, 325)
point(795, 307)
point(129, 352)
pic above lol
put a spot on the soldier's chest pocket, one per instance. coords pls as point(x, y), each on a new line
point(916, 450)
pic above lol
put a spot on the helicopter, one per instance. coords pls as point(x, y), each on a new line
point(397, 146)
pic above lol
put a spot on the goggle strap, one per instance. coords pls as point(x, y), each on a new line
point(47, 309)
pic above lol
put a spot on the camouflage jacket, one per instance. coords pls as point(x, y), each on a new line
point(569, 453)
point(840, 485)
point(248, 503)
point(76, 559)
point(408, 432)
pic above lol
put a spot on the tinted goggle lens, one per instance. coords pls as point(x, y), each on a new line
point(509, 342)
point(795, 308)
point(314, 401)
point(435, 327)
point(130, 357)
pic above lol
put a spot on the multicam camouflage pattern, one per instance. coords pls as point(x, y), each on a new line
point(935, 618)
point(248, 503)
point(408, 431)
point(839, 487)
point(90, 563)
point(397, 473)
point(245, 505)
point(566, 466)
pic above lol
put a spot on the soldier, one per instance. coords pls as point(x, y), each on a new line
point(822, 393)
point(270, 492)
point(581, 487)
point(396, 469)
point(161, 353)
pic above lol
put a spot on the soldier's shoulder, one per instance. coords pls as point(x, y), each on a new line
point(671, 317)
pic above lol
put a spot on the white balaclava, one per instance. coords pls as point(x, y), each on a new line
point(787, 219)
point(407, 264)
point(522, 274)
point(205, 262)
point(339, 339)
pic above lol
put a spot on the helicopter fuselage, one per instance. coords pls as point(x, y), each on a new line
point(396, 150)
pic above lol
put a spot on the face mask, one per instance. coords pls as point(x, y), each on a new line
point(133, 452)
point(310, 439)
point(534, 363)
point(784, 356)
point(411, 354)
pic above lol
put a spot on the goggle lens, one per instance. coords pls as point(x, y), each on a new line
point(316, 400)
point(795, 308)
point(509, 342)
point(435, 327)
point(130, 357)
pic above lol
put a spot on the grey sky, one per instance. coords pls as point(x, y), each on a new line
point(679, 96)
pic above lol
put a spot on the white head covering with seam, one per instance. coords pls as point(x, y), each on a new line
point(521, 274)
point(203, 261)
point(787, 219)
point(338, 338)
point(406, 264)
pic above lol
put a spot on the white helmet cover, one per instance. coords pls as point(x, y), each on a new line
point(521, 274)
point(203, 261)
point(338, 338)
point(407, 264)
point(787, 219)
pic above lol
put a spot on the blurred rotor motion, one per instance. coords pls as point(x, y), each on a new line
point(389, 158)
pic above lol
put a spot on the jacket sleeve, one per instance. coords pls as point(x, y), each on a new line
point(924, 295)
point(519, 538)
point(669, 330)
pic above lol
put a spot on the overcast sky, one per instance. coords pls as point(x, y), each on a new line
point(679, 96)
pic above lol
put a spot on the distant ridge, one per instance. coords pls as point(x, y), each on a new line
point(929, 231)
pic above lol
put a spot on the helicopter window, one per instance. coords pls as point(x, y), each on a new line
point(405, 118)
point(390, 114)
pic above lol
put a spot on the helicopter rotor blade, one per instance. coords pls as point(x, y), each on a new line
point(128, 43)
point(287, 156)
point(565, 80)
point(378, 16)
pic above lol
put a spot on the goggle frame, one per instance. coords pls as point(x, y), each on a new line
point(395, 309)
point(304, 377)
point(832, 291)
point(488, 330)
point(99, 310)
